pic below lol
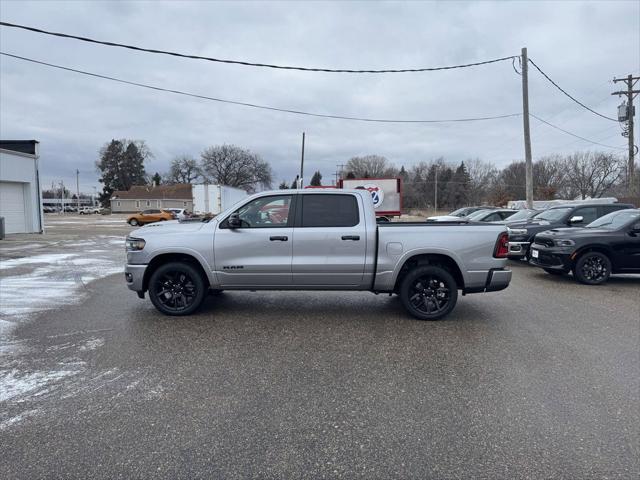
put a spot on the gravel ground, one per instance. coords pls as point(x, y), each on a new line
point(541, 380)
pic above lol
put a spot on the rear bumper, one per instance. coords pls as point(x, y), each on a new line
point(497, 279)
point(134, 276)
point(518, 249)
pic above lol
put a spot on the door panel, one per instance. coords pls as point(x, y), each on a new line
point(259, 252)
point(248, 256)
point(330, 242)
point(627, 251)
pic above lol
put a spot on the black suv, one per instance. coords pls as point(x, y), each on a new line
point(609, 245)
point(521, 233)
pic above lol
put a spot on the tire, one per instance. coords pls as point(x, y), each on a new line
point(133, 222)
point(557, 273)
point(428, 292)
point(177, 288)
point(592, 268)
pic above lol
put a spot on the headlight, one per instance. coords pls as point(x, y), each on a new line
point(517, 231)
point(565, 243)
point(134, 244)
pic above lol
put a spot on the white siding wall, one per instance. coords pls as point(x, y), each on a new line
point(20, 170)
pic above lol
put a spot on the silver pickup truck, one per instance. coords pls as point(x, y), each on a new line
point(315, 240)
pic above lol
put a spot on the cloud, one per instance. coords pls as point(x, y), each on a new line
point(581, 45)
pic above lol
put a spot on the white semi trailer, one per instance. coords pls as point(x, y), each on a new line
point(214, 199)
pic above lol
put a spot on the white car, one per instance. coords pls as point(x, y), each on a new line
point(89, 210)
point(180, 213)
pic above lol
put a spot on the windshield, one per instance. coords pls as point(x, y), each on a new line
point(461, 212)
point(553, 214)
point(615, 220)
point(522, 215)
point(478, 214)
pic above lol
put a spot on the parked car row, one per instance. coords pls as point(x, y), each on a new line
point(72, 209)
point(608, 245)
point(591, 240)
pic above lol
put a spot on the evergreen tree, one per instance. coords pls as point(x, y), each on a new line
point(316, 180)
point(121, 166)
point(283, 186)
point(458, 187)
point(156, 179)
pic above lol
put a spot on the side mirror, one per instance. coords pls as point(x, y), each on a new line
point(234, 221)
point(635, 229)
point(576, 219)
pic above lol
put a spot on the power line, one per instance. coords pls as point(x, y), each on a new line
point(573, 134)
point(245, 63)
point(567, 94)
point(253, 105)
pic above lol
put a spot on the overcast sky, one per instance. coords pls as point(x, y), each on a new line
point(581, 45)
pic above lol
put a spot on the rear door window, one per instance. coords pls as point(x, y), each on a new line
point(328, 210)
point(494, 217)
point(589, 214)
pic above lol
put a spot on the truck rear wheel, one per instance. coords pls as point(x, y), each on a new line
point(429, 292)
point(177, 288)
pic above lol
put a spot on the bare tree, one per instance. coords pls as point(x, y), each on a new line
point(483, 176)
point(369, 166)
point(236, 167)
point(549, 177)
point(183, 169)
point(591, 174)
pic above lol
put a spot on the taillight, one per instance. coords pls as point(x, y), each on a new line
point(502, 246)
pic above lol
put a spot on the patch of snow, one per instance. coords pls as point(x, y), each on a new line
point(47, 258)
point(92, 344)
point(17, 419)
point(14, 383)
point(23, 246)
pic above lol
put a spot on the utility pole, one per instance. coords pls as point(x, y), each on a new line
point(62, 196)
point(527, 132)
point(435, 203)
point(301, 179)
point(339, 172)
point(78, 189)
point(628, 117)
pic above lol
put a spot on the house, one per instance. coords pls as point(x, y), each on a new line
point(142, 197)
point(20, 202)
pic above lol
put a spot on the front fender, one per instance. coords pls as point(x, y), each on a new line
point(204, 262)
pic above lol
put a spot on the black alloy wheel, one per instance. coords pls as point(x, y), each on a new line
point(429, 292)
point(177, 288)
point(593, 268)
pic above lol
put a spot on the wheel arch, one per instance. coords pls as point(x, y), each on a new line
point(435, 259)
point(165, 258)
point(604, 249)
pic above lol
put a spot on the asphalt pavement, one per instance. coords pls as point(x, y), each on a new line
point(541, 380)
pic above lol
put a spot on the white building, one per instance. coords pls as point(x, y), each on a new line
point(20, 203)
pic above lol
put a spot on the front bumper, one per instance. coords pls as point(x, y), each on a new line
point(554, 258)
point(134, 276)
point(518, 249)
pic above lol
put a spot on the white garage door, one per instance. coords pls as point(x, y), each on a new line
point(12, 207)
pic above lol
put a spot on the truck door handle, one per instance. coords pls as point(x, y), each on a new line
point(351, 237)
point(279, 238)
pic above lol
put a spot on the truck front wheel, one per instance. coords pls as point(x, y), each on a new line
point(177, 288)
point(429, 292)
